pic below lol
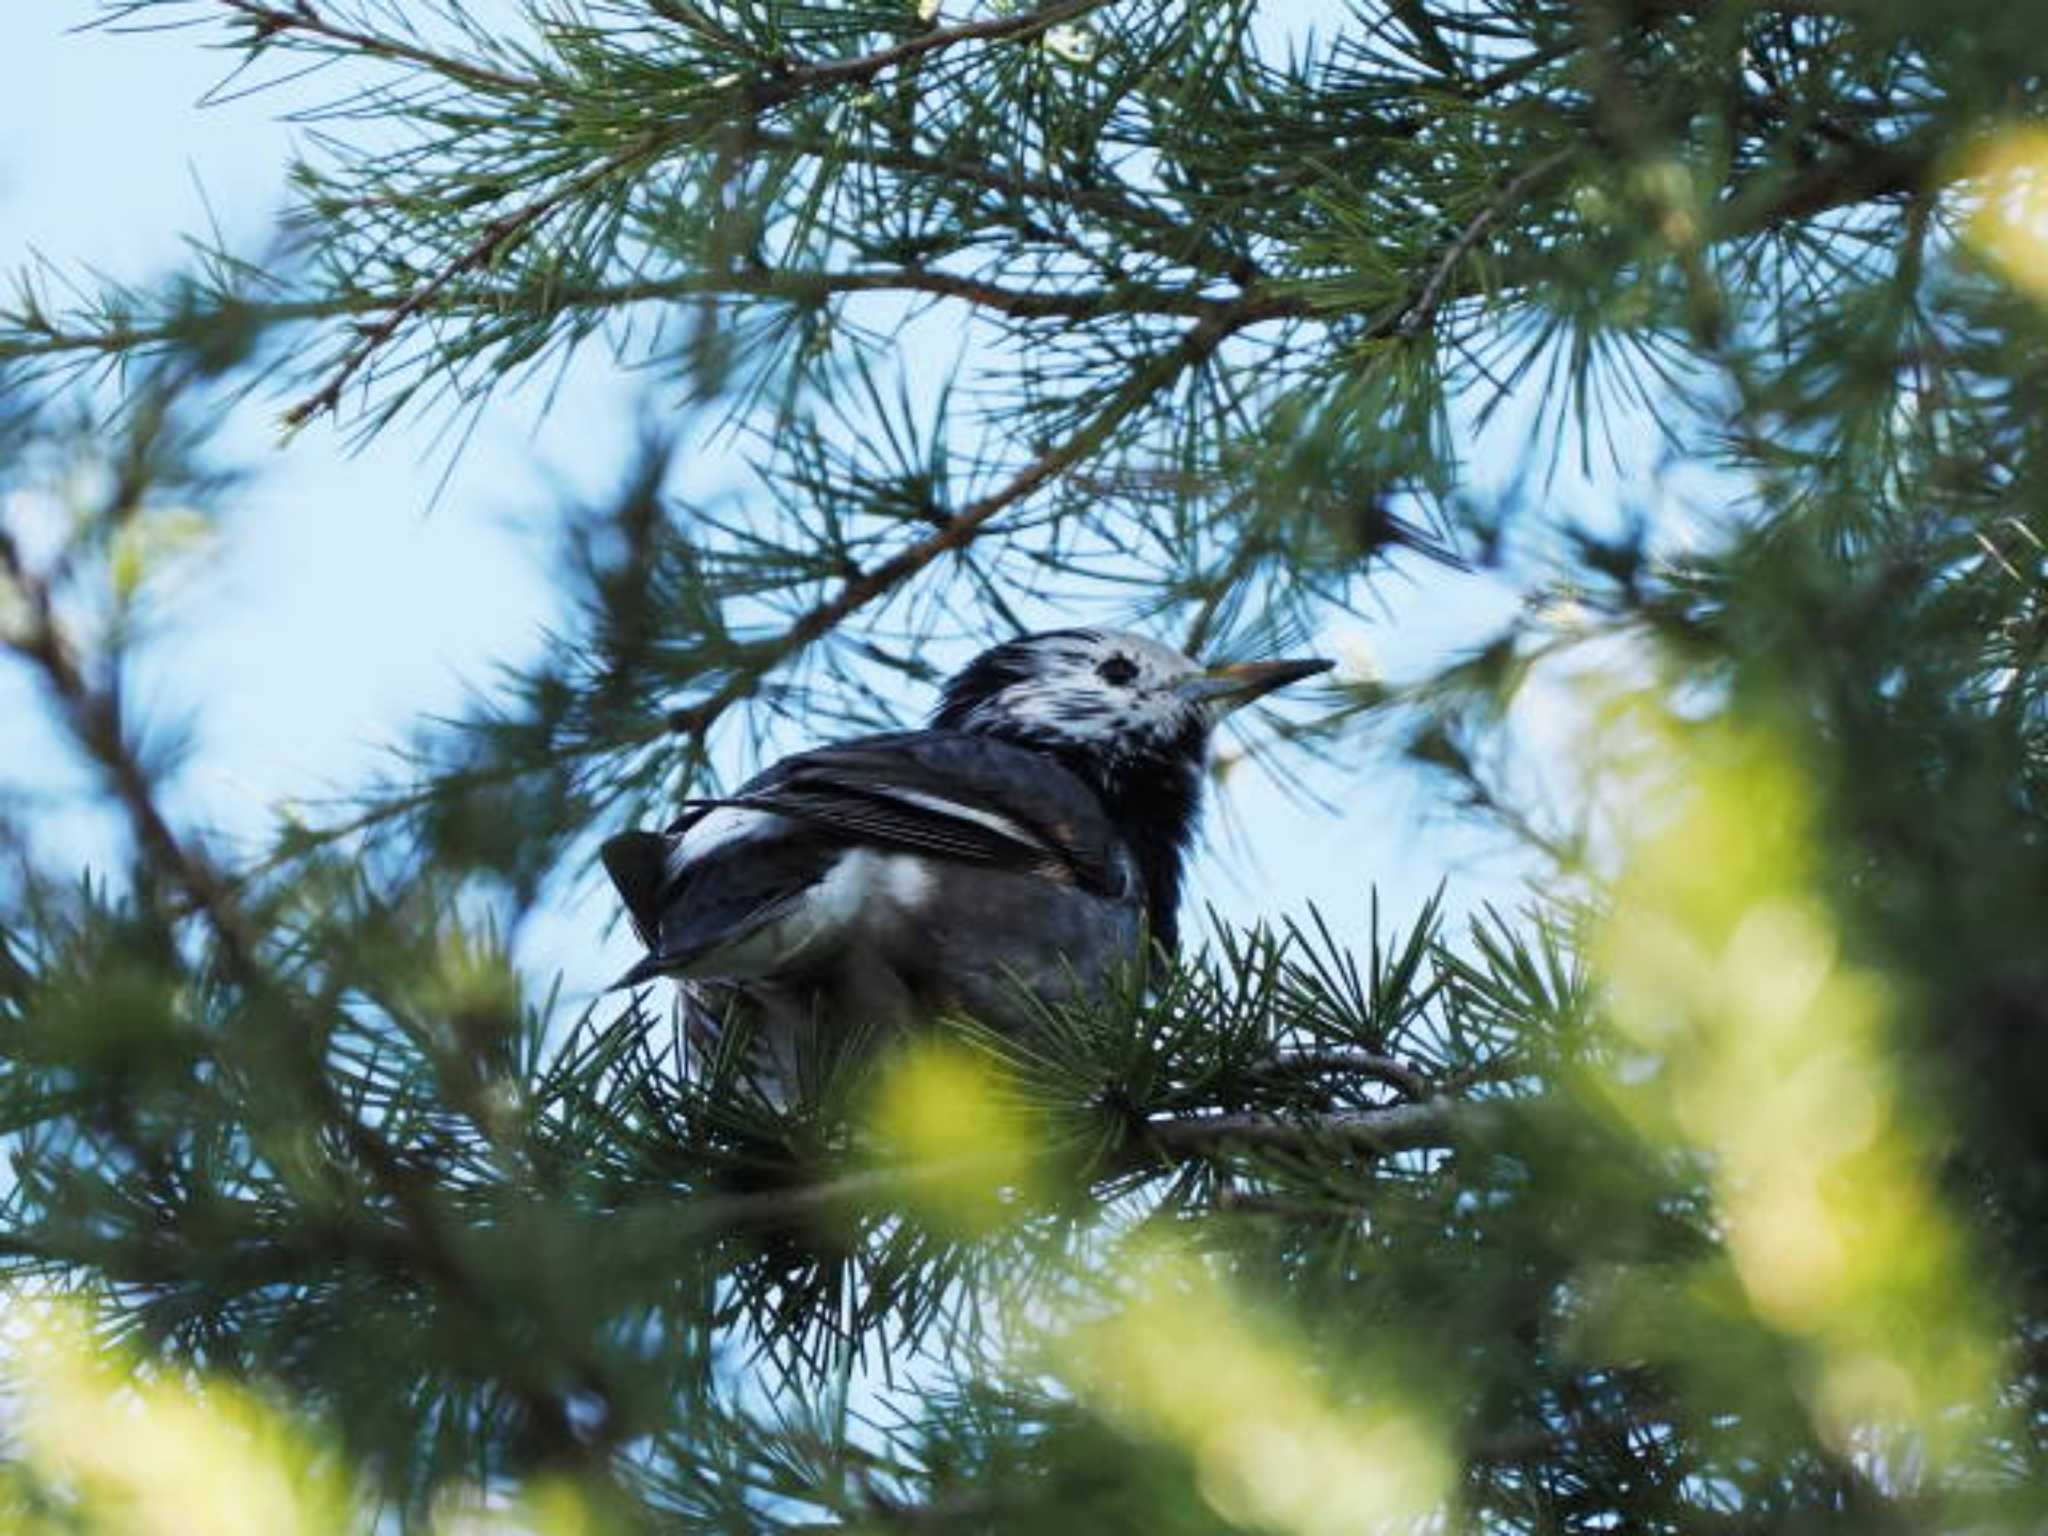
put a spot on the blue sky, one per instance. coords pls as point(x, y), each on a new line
point(345, 602)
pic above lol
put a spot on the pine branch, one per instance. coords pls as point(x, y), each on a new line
point(1436, 1122)
point(793, 82)
point(1197, 345)
point(1150, 1146)
point(1866, 173)
point(270, 21)
point(1390, 1070)
point(757, 98)
point(94, 718)
point(497, 234)
point(1422, 311)
point(795, 287)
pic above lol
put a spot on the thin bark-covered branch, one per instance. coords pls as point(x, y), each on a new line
point(1423, 310)
point(497, 234)
point(794, 82)
point(1396, 1128)
point(1865, 173)
point(1152, 1144)
point(269, 21)
point(793, 286)
point(1367, 1064)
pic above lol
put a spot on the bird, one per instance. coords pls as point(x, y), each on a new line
point(1021, 850)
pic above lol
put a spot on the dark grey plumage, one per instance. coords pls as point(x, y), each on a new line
point(1020, 847)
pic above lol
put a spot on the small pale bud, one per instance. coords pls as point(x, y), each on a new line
point(151, 541)
point(17, 618)
point(1075, 45)
point(1351, 647)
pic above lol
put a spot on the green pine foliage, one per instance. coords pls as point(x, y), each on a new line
point(1704, 1192)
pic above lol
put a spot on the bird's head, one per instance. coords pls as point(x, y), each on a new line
point(1115, 702)
point(1130, 716)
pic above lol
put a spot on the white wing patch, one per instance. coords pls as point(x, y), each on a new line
point(859, 886)
point(726, 824)
point(997, 823)
point(906, 881)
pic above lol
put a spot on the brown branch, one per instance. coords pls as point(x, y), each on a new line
point(497, 234)
point(795, 286)
point(764, 95)
point(1151, 1145)
point(1865, 174)
point(1396, 1128)
point(94, 719)
point(1390, 1070)
point(1424, 308)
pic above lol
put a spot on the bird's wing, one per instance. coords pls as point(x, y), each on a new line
point(952, 794)
point(733, 865)
point(691, 896)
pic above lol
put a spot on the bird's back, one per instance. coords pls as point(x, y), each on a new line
point(876, 883)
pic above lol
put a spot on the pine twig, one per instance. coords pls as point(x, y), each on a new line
point(1196, 345)
point(1430, 299)
point(1152, 1144)
point(270, 21)
point(1433, 1122)
point(1390, 1070)
point(793, 286)
point(758, 98)
point(862, 70)
point(497, 234)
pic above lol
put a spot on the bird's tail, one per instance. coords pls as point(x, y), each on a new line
point(649, 969)
point(638, 865)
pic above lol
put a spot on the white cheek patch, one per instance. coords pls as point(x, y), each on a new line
point(1068, 700)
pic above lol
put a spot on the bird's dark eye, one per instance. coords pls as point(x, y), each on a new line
point(1118, 670)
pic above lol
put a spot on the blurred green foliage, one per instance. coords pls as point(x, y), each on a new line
point(1706, 1193)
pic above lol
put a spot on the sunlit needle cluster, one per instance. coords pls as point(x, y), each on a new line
point(2008, 179)
point(108, 1449)
point(1765, 1049)
point(942, 1120)
point(1187, 1363)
